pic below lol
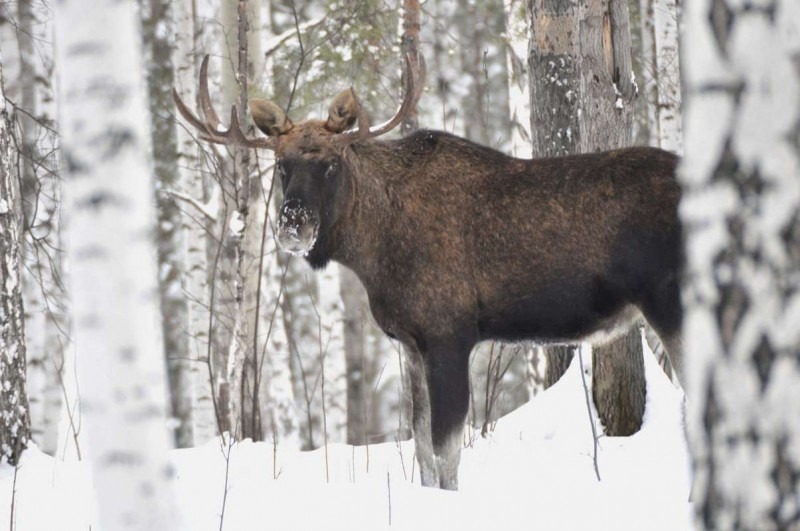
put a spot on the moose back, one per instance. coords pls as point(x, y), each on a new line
point(457, 243)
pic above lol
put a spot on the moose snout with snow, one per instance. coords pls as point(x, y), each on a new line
point(457, 243)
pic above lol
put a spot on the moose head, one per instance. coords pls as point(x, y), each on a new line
point(308, 155)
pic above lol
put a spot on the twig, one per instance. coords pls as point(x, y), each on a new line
point(322, 356)
point(275, 473)
point(389, 492)
point(274, 44)
point(402, 461)
point(486, 405)
point(302, 57)
point(259, 364)
point(210, 332)
point(12, 518)
point(370, 399)
point(589, 410)
point(226, 453)
point(208, 210)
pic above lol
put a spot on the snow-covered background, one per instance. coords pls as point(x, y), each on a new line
point(535, 471)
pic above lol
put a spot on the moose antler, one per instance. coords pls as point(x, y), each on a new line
point(209, 129)
point(415, 84)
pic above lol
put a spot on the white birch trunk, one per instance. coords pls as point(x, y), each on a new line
point(661, 72)
point(741, 217)
point(332, 331)
point(112, 255)
point(195, 227)
point(278, 402)
point(649, 87)
point(280, 415)
point(301, 328)
point(41, 289)
point(157, 35)
point(667, 62)
point(519, 92)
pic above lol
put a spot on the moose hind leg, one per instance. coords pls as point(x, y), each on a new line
point(664, 312)
point(448, 384)
point(421, 411)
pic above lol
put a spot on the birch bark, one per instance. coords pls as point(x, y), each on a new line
point(15, 426)
point(518, 82)
point(42, 290)
point(111, 216)
point(667, 63)
point(157, 36)
point(196, 226)
point(741, 217)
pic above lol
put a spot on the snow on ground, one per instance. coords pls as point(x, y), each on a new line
point(534, 472)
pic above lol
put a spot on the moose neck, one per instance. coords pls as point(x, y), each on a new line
point(374, 170)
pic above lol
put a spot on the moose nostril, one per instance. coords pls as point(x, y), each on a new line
point(295, 213)
point(298, 227)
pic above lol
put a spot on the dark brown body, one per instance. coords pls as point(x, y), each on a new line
point(457, 243)
point(447, 235)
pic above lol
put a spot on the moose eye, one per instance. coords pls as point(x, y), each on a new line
point(280, 171)
point(332, 169)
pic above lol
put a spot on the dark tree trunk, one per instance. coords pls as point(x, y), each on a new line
point(607, 93)
point(558, 359)
point(581, 93)
point(15, 424)
point(620, 399)
point(552, 61)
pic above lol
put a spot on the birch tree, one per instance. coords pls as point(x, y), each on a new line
point(111, 223)
point(42, 290)
point(157, 35)
point(741, 217)
point(195, 224)
point(15, 427)
point(661, 72)
point(518, 85)
point(581, 90)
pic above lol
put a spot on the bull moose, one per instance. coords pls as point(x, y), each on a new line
point(457, 243)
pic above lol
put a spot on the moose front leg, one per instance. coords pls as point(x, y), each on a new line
point(440, 399)
point(421, 411)
point(448, 389)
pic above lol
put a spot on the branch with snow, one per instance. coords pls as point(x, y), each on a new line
point(273, 44)
point(208, 210)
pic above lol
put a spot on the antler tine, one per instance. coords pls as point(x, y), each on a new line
point(362, 117)
point(235, 131)
point(209, 130)
point(188, 115)
point(415, 81)
point(205, 98)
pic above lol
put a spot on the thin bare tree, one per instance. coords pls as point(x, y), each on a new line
point(15, 422)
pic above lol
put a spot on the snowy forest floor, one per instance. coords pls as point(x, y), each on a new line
point(535, 471)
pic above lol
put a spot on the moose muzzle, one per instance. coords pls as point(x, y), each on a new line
point(298, 227)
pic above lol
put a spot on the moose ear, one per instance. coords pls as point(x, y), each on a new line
point(342, 112)
point(269, 117)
